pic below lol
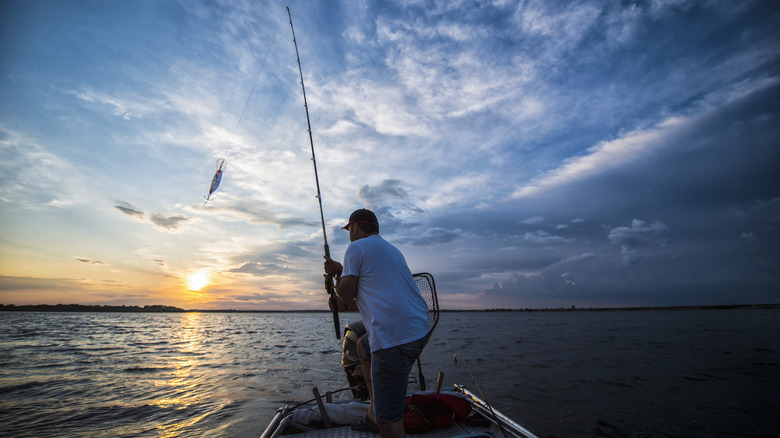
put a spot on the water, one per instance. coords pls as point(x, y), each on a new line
point(676, 373)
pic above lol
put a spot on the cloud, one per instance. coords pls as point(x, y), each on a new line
point(123, 108)
point(602, 157)
point(169, 222)
point(15, 283)
point(33, 176)
point(89, 261)
point(431, 236)
point(392, 204)
point(544, 238)
point(533, 220)
point(453, 189)
point(748, 236)
point(558, 29)
point(638, 234)
point(259, 213)
point(260, 298)
point(380, 106)
point(340, 128)
point(556, 280)
point(387, 191)
point(166, 222)
point(129, 210)
point(262, 269)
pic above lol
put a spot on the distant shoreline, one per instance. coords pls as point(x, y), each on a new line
point(172, 309)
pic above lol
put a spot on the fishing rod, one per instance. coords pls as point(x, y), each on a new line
point(332, 301)
point(474, 379)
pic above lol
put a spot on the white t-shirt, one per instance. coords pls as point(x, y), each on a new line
point(389, 302)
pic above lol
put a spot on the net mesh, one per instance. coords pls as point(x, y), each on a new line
point(428, 291)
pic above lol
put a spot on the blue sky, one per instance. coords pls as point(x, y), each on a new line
point(528, 154)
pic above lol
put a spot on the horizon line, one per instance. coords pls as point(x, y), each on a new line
point(158, 308)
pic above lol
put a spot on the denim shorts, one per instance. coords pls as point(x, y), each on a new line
point(390, 368)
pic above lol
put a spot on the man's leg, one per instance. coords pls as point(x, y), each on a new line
point(386, 430)
point(365, 363)
point(392, 430)
point(390, 373)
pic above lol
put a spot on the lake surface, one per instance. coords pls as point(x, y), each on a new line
point(665, 373)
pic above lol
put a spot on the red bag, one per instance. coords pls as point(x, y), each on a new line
point(425, 412)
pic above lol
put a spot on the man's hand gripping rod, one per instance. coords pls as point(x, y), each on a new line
point(333, 302)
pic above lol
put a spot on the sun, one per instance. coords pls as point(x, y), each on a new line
point(198, 280)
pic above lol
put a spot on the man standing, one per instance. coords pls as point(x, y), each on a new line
point(376, 277)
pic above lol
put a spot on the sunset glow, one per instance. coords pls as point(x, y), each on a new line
point(198, 280)
point(526, 153)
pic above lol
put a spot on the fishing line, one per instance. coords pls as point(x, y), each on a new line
point(474, 379)
point(221, 163)
point(258, 75)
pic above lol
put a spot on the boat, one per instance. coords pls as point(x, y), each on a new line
point(325, 416)
point(331, 420)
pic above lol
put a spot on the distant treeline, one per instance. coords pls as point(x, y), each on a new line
point(87, 308)
point(160, 308)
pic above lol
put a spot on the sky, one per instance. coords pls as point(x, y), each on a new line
point(528, 154)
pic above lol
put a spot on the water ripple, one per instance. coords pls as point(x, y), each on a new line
point(561, 374)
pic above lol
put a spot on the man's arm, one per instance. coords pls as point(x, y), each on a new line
point(346, 287)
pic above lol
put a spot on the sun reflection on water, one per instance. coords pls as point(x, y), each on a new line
point(190, 333)
point(186, 350)
point(171, 430)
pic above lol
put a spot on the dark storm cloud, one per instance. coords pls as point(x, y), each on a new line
point(556, 280)
point(389, 190)
point(632, 237)
point(387, 199)
point(431, 236)
point(542, 237)
point(695, 219)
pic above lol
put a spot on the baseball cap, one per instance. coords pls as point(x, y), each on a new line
point(361, 216)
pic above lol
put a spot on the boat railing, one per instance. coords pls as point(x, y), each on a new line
point(502, 421)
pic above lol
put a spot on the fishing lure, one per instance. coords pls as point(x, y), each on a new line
point(221, 164)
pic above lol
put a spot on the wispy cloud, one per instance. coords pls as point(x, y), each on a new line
point(120, 107)
point(169, 222)
point(262, 269)
point(603, 157)
point(129, 209)
point(34, 176)
point(90, 261)
point(166, 222)
point(544, 238)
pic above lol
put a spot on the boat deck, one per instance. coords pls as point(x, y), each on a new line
point(483, 422)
